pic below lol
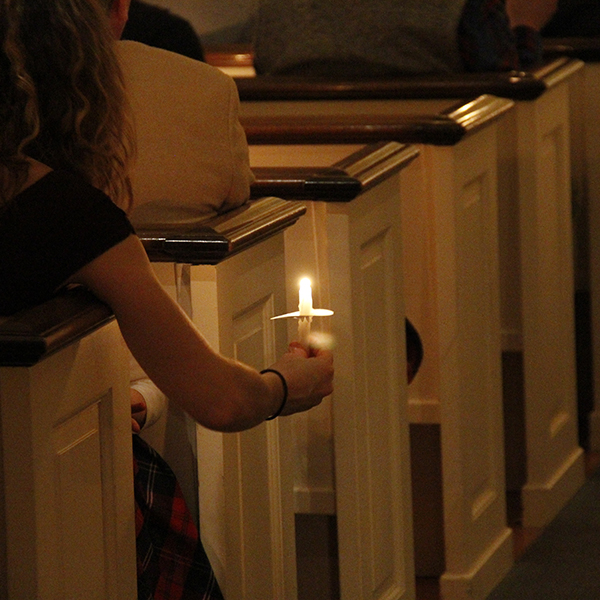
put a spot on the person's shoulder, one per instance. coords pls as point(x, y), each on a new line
point(141, 60)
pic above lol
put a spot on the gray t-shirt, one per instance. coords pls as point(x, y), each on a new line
point(357, 37)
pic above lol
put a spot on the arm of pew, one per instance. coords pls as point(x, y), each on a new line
point(66, 491)
point(586, 49)
point(444, 129)
point(229, 277)
point(516, 85)
point(33, 334)
point(304, 183)
point(224, 235)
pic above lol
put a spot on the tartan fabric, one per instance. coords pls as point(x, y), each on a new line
point(171, 562)
point(487, 42)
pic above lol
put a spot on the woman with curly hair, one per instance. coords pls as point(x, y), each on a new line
point(66, 144)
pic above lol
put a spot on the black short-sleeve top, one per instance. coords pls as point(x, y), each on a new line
point(49, 231)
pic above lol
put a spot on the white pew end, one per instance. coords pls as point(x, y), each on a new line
point(450, 247)
point(66, 478)
point(229, 276)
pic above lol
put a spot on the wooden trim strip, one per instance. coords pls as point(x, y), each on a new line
point(365, 129)
point(557, 71)
point(256, 221)
point(377, 162)
point(229, 55)
point(586, 49)
point(304, 183)
point(474, 114)
point(515, 85)
point(223, 235)
point(201, 246)
point(33, 334)
point(445, 129)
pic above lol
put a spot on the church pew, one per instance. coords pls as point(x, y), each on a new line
point(366, 229)
point(586, 199)
point(535, 239)
point(66, 480)
point(455, 214)
point(229, 278)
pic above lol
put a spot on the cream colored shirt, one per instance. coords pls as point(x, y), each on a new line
point(192, 159)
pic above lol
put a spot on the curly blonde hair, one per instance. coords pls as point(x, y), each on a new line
point(62, 95)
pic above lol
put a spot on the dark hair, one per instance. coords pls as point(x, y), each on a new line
point(62, 96)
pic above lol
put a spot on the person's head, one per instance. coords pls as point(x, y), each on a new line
point(62, 98)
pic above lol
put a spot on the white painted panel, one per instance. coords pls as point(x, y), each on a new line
point(554, 460)
point(369, 402)
point(68, 477)
point(246, 485)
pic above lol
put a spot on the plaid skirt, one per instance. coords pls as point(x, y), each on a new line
point(171, 562)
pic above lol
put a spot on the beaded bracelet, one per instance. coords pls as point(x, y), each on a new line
point(285, 392)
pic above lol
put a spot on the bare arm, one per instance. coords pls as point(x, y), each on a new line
point(216, 391)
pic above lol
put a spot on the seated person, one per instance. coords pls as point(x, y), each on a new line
point(192, 155)
point(159, 27)
point(385, 38)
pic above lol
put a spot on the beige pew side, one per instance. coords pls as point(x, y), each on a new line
point(585, 165)
point(229, 276)
point(435, 221)
point(535, 241)
point(350, 250)
point(66, 479)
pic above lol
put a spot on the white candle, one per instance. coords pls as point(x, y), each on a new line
point(305, 312)
point(305, 307)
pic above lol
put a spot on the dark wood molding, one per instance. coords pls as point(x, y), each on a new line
point(32, 334)
point(586, 49)
point(201, 245)
point(345, 180)
point(304, 183)
point(256, 221)
point(441, 129)
point(376, 162)
point(515, 85)
point(346, 129)
point(223, 235)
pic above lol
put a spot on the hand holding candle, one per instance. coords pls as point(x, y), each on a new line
point(305, 312)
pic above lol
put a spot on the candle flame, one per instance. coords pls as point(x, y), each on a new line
point(305, 306)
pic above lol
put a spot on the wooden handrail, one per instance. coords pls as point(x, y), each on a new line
point(357, 173)
point(515, 85)
point(202, 245)
point(432, 129)
point(221, 236)
point(32, 334)
point(586, 49)
point(376, 162)
point(443, 129)
point(304, 183)
point(229, 55)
